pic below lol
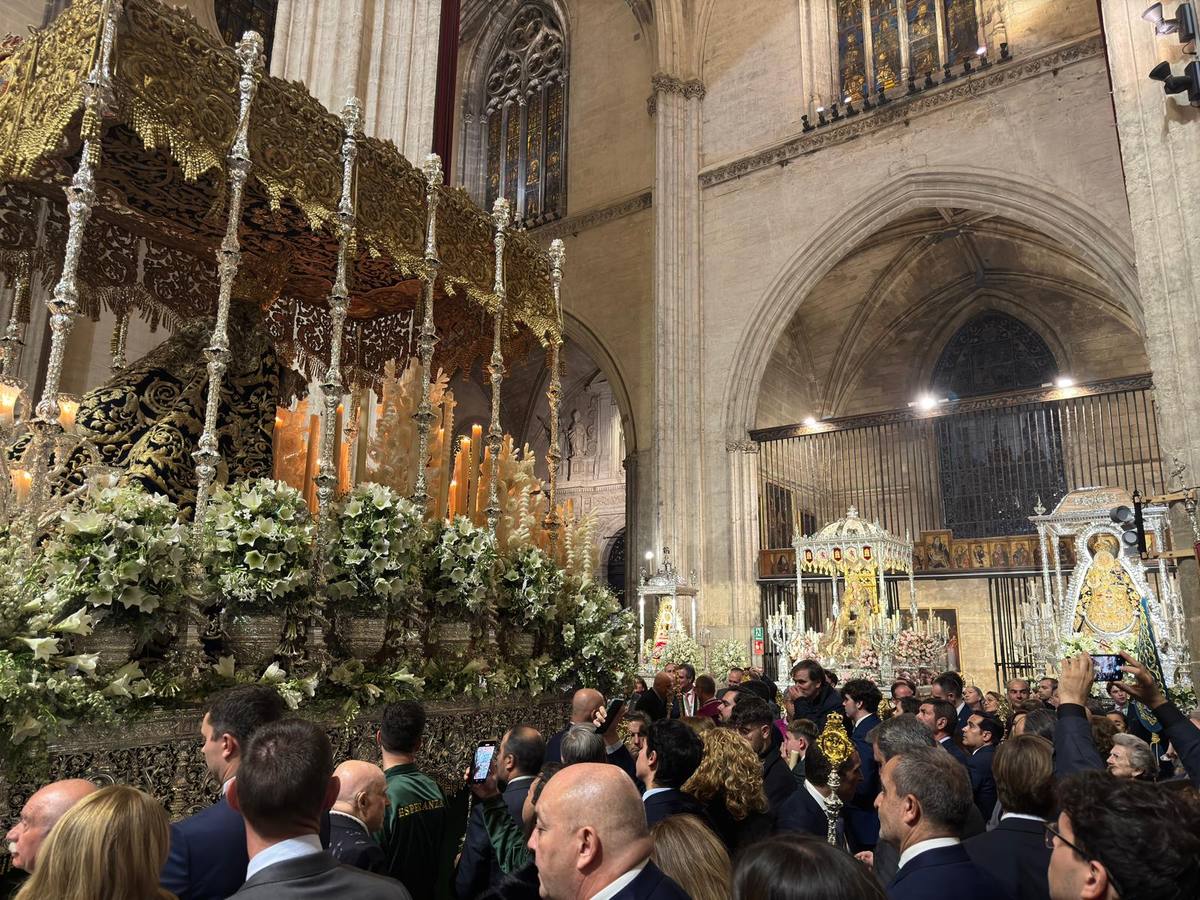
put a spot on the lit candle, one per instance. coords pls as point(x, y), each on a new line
point(10, 395)
point(68, 409)
point(453, 510)
point(21, 482)
point(473, 471)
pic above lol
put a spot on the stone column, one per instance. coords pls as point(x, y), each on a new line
point(676, 481)
point(1160, 152)
point(382, 51)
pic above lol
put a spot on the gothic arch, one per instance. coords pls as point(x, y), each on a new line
point(1061, 217)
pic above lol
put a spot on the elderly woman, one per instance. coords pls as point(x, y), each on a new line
point(1131, 757)
point(973, 697)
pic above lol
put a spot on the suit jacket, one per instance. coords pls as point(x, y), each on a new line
point(827, 701)
point(737, 833)
point(862, 822)
point(1074, 748)
point(654, 706)
point(319, 875)
point(1184, 737)
point(778, 780)
point(802, 813)
point(887, 856)
point(554, 746)
point(956, 751)
point(983, 785)
point(1016, 855)
point(672, 802)
point(711, 710)
point(946, 873)
point(963, 715)
point(207, 859)
point(478, 866)
point(651, 884)
point(352, 844)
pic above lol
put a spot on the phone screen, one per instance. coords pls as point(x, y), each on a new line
point(483, 762)
point(1107, 666)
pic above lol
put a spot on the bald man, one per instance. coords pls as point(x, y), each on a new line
point(40, 813)
point(585, 703)
point(591, 839)
point(358, 815)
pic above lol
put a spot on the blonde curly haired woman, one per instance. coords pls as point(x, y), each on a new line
point(729, 783)
point(690, 855)
point(111, 845)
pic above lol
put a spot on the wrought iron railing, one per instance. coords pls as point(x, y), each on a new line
point(975, 467)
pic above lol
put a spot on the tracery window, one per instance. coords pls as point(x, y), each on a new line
point(994, 467)
point(236, 17)
point(524, 123)
point(880, 42)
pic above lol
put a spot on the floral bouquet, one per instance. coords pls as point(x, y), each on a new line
point(915, 648)
point(680, 648)
point(727, 654)
point(121, 556)
point(459, 569)
point(377, 553)
point(596, 646)
point(258, 540)
point(868, 659)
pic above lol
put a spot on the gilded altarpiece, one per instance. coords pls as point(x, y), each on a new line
point(885, 45)
point(922, 37)
point(962, 30)
point(851, 47)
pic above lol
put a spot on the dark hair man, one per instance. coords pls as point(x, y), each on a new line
point(910, 705)
point(208, 857)
point(285, 785)
point(730, 698)
point(1119, 838)
point(1015, 851)
point(670, 757)
point(415, 824)
point(860, 699)
point(518, 760)
point(801, 736)
point(811, 696)
point(923, 803)
point(949, 687)
point(707, 704)
point(687, 689)
point(939, 717)
point(591, 839)
point(980, 739)
point(1047, 691)
point(637, 724)
point(752, 719)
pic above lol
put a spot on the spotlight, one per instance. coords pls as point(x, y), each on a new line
point(850, 110)
point(947, 74)
point(866, 99)
point(821, 116)
point(649, 555)
point(1184, 23)
point(1133, 527)
point(927, 402)
point(810, 422)
point(982, 51)
point(912, 82)
point(1064, 381)
point(1178, 84)
point(835, 114)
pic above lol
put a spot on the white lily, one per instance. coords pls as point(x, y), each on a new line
point(26, 728)
point(43, 648)
point(225, 666)
point(85, 662)
point(79, 622)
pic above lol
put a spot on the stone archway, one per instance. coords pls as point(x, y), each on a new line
point(1064, 219)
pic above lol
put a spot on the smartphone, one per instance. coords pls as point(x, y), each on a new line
point(1107, 666)
point(482, 766)
point(610, 714)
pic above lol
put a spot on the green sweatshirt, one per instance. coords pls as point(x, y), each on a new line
point(413, 829)
point(512, 851)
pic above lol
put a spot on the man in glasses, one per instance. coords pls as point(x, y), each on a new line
point(1119, 838)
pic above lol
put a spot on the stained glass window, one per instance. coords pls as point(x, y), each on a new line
point(882, 42)
point(524, 128)
point(236, 17)
point(994, 467)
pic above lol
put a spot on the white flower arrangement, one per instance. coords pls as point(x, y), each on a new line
point(727, 654)
point(459, 572)
point(596, 646)
point(529, 585)
point(377, 554)
point(258, 539)
point(681, 648)
point(1087, 642)
point(121, 554)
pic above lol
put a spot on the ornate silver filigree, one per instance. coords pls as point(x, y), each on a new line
point(552, 522)
point(501, 217)
point(424, 415)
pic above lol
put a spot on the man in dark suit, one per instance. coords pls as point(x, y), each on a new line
point(517, 762)
point(980, 738)
point(923, 802)
point(939, 717)
point(358, 815)
point(284, 786)
point(207, 860)
point(949, 687)
point(657, 702)
point(1015, 852)
point(861, 699)
point(585, 703)
point(592, 839)
point(670, 757)
point(752, 719)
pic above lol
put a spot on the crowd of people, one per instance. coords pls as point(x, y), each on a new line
point(1066, 790)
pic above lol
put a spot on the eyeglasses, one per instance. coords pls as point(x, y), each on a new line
point(1052, 833)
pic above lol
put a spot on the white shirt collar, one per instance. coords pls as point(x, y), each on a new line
point(816, 795)
point(1004, 816)
point(619, 885)
point(653, 791)
point(959, 708)
point(225, 785)
point(518, 779)
point(921, 846)
point(292, 848)
point(338, 812)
